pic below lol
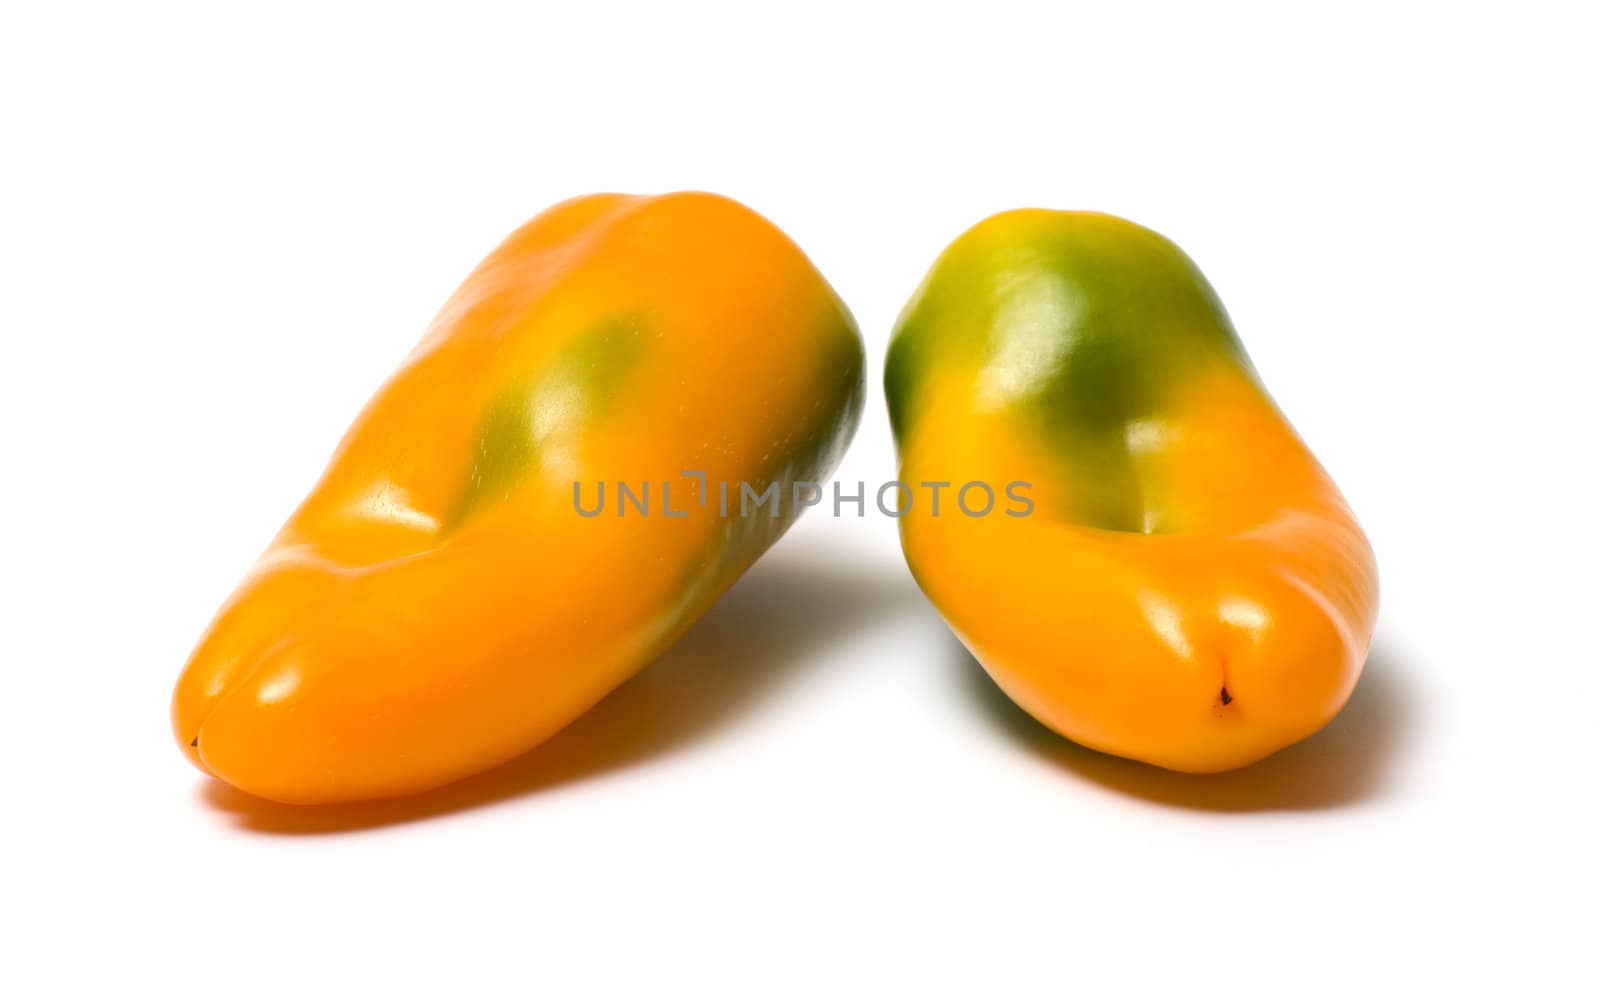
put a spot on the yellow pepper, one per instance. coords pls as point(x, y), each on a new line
point(439, 603)
point(1189, 588)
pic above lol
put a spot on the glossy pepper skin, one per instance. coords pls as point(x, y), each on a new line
point(438, 604)
point(1189, 589)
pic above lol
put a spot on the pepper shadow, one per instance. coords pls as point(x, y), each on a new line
point(1345, 764)
point(782, 615)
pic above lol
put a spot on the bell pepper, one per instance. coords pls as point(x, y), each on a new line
point(1184, 584)
point(449, 595)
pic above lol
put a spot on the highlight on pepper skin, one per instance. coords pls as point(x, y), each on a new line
point(436, 606)
point(1192, 590)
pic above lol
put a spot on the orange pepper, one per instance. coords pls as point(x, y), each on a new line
point(1189, 588)
point(438, 604)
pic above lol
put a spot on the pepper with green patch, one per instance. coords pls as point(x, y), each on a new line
point(1193, 590)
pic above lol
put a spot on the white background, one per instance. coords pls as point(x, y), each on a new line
point(221, 231)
